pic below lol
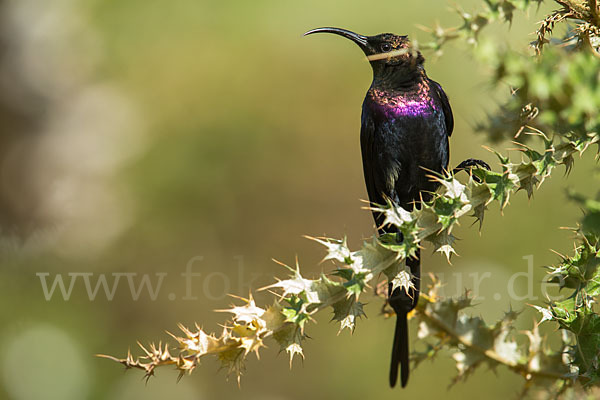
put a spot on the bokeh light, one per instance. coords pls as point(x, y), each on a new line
point(43, 362)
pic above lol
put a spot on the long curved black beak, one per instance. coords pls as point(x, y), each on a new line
point(360, 40)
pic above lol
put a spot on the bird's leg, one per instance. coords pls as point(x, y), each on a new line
point(470, 163)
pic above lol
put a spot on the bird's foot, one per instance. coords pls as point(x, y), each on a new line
point(470, 163)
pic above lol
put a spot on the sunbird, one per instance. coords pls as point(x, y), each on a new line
point(405, 126)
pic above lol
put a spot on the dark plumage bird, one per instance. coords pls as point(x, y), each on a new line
point(406, 122)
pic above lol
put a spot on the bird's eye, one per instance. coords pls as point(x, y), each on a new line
point(385, 47)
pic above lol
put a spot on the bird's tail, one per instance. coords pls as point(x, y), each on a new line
point(400, 351)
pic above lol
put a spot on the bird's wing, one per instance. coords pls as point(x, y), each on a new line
point(371, 168)
point(380, 176)
point(446, 109)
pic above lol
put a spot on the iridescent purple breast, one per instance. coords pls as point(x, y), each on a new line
point(404, 107)
point(415, 104)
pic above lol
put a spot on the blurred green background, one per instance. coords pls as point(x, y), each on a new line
point(138, 135)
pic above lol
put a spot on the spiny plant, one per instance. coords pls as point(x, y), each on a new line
point(551, 115)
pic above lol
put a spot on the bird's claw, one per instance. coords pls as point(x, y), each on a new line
point(470, 163)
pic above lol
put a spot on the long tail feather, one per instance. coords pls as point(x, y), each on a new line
point(400, 353)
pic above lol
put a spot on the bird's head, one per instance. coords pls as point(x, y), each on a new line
point(388, 53)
